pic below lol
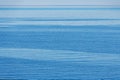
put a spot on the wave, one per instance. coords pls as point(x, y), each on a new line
point(62, 28)
point(58, 55)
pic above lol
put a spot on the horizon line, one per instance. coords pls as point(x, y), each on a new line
point(59, 8)
point(59, 5)
point(58, 19)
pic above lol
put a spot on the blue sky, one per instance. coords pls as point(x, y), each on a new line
point(59, 2)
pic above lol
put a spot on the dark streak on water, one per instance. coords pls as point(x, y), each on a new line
point(42, 19)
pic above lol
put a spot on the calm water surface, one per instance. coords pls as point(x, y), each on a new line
point(60, 43)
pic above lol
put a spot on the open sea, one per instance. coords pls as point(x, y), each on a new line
point(59, 42)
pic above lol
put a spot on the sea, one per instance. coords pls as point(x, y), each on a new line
point(60, 42)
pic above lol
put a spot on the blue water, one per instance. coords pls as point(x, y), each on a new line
point(60, 43)
point(34, 70)
point(84, 40)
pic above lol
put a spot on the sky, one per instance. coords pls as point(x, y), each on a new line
point(59, 2)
